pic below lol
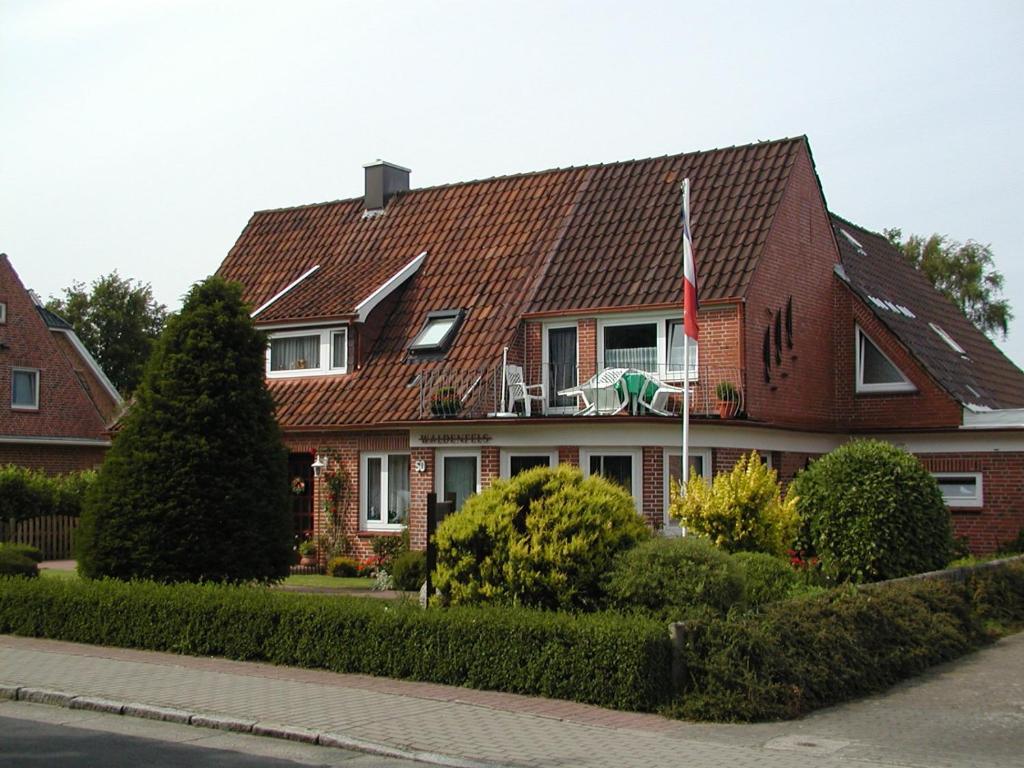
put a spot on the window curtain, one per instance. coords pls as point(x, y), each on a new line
point(339, 351)
point(398, 489)
point(562, 363)
point(23, 388)
point(295, 353)
point(675, 350)
point(373, 482)
point(640, 358)
point(460, 478)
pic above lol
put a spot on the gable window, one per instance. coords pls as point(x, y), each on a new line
point(3, 313)
point(438, 332)
point(875, 371)
point(307, 352)
point(960, 489)
point(384, 501)
point(25, 389)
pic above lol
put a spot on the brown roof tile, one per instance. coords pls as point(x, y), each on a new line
point(591, 237)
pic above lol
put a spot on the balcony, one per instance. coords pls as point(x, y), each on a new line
point(613, 389)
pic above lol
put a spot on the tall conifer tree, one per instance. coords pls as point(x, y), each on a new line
point(195, 485)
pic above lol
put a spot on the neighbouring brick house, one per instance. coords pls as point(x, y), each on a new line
point(57, 401)
point(394, 319)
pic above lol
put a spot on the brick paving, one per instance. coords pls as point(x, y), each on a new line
point(970, 712)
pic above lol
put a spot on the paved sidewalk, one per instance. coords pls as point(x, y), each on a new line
point(970, 712)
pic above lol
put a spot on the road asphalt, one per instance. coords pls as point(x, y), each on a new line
point(966, 713)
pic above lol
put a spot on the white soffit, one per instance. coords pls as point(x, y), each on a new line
point(364, 307)
point(979, 417)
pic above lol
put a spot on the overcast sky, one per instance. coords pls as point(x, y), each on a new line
point(140, 136)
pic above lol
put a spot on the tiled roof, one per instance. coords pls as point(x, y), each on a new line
point(907, 303)
point(604, 236)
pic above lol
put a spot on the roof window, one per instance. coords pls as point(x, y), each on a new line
point(438, 332)
point(947, 338)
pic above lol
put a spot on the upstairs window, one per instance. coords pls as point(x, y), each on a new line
point(25, 389)
point(654, 346)
point(3, 313)
point(307, 353)
point(676, 369)
point(438, 332)
point(875, 371)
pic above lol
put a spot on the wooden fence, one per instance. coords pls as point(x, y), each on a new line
point(52, 534)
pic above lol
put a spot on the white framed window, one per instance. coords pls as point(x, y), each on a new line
point(438, 332)
point(384, 491)
point(458, 472)
point(560, 362)
point(521, 459)
point(3, 313)
point(960, 489)
point(620, 465)
point(25, 389)
point(700, 464)
point(308, 352)
point(652, 344)
point(875, 371)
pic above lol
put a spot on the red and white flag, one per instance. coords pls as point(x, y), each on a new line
point(690, 327)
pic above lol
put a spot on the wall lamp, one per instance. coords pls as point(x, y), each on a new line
point(320, 464)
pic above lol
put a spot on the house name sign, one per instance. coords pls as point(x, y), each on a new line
point(468, 438)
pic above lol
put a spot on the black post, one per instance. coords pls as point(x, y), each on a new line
point(436, 512)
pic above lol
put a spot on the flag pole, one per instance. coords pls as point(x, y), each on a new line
point(685, 458)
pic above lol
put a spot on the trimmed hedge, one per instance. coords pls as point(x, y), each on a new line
point(14, 563)
point(798, 655)
point(603, 659)
point(27, 493)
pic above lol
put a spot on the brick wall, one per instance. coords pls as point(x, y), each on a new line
point(653, 484)
point(929, 406)
point(569, 454)
point(797, 263)
point(1002, 516)
point(53, 460)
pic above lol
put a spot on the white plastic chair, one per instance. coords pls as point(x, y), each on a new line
point(654, 395)
point(519, 390)
point(595, 392)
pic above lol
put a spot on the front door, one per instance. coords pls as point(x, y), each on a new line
point(300, 478)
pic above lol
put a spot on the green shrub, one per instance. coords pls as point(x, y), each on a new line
point(674, 579)
point(602, 659)
point(342, 566)
point(387, 548)
point(13, 563)
point(26, 493)
point(1014, 546)
point(198, 469)
point(741, 511)
point(798, 655)
point(871, 512)
point(409, 570)
point(543, 538)
point(766, 578)
point(35, 554)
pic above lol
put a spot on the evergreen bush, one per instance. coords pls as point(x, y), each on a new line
point(14, 563)
point(26, 493)
point(342, 566)
point(766, 578)
point(195, 486)
point(543, 538)
point(35, 554)
point(871, 512)
point(409, 570)
point(674, 579)
point(741, 511)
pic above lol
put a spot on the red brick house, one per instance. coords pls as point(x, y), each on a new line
point(57, 401)
point(394, 319)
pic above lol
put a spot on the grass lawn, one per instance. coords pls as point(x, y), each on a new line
point(338, 582)
point(311, 580)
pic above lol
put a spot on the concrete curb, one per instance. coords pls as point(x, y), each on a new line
point(233, 724)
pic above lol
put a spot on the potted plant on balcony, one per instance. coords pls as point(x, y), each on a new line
point(728, 397)
point(445, 402)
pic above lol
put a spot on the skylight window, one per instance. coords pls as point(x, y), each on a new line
point(438, 332)
point(852, 240)
point(947, 338)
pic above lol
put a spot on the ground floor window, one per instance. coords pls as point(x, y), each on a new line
point(385, 490)
point(514, 462)
point(700, 465)
point(458, 474)
point(615, 464)
point(960, 489)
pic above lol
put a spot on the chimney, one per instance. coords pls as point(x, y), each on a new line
point(383, 179)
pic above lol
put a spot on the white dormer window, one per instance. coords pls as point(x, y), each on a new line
point(307, 352)
point(875, 371)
